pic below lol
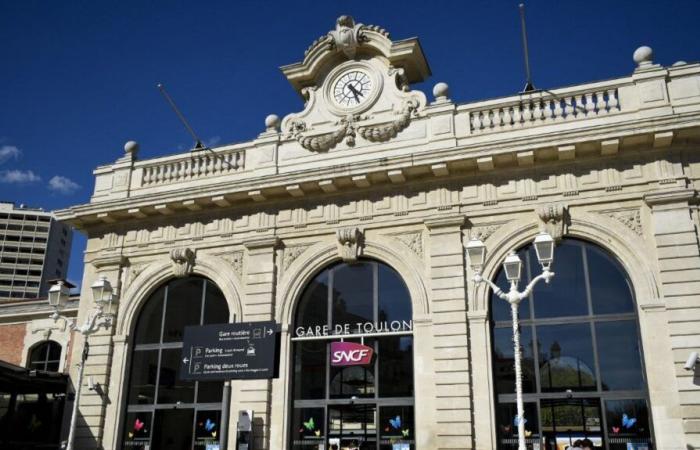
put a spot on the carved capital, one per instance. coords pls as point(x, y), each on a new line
point(554, 218)
point(182, 261)
point(349, 243)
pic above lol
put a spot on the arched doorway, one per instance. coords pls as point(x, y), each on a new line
point(583, 375)
point(341, 405)
point(162, 410)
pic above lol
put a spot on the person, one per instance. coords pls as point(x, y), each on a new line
point(334, 447)
point(587, 444)
point(577, 444)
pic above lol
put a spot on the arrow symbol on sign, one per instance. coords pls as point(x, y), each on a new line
point(269, 332)
point(185, 360)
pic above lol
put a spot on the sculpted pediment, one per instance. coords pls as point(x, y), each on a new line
point(356, 85)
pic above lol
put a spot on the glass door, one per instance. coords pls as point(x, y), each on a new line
point(565, 421)
point(352, 427)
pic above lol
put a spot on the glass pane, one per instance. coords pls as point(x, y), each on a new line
point(610, 291)
point(353, 294)
point(352, 426)
point(308, 425)
point(206, 429)
point(313, 306)
point(565, 295)
point(54, 351)
point(150, 319)
point(394, 299)
point(215, 306)
point(508, 429)
point(172, 429)
point(137, 431)
point(566, 357)
point(51, 366)
point(503, 361)
point(619, 355)
point(38, 355)
point(184, 307)
point(396, 428)
point(628, 422)
point(310, 369)
point(210, 391)
point(144, 369)
point(351, 381)
point(395, 356)
point(566, 421)
point(170, 388)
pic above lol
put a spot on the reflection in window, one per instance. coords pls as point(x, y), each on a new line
point(164, 411)
point(582, 356)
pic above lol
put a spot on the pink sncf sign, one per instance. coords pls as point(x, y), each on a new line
point(350, 354)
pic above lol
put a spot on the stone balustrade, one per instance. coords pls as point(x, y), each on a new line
point(545, 108)
point(192, 166)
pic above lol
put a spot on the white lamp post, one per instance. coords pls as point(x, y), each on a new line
point(100, 317)
point(544, 247)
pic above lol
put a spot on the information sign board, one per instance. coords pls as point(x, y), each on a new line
point(246, 350)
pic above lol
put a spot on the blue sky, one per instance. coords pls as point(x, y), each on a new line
point(78, 78)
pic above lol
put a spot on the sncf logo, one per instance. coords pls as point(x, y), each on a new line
point(350, 354)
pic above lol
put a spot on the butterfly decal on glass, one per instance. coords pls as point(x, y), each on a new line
point(516, 420)
point(628, 422)
point(209, 425)
point(310, 425)
point(395, 423)
point(528, 433)
point(138, 425)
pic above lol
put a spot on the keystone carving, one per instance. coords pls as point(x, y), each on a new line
point(349, 244)
point(347, 36)
point(553, 217)
point(382, 133)
point(182, 261)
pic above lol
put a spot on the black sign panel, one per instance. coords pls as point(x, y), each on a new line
point(230, 351)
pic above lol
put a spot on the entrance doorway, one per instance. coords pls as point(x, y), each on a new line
point(352, 427)
point(564, 421)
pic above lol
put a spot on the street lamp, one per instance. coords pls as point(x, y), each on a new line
point(513, 266)
point(101, 317)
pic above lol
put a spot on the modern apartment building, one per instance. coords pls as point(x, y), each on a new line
point(34, 248)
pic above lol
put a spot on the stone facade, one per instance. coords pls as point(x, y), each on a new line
point(408, 181)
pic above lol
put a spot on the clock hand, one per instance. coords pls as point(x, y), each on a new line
point(355, 91)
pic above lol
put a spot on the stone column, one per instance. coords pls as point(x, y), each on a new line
point(676, 241)
point(448, 307)
point(91, 424)
point(258, 304)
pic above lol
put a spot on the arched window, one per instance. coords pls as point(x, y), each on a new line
point(583, 376)
point(336, 399)
point(45, 356)
point(164, 411)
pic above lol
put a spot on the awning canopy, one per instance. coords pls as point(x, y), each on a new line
point(16, 379)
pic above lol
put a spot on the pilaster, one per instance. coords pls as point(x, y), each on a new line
point(258, 304)
point(448, 307)
point(676, 242)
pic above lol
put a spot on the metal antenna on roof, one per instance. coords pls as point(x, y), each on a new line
point(528, 84)
point(198, 145)
point(197, 142)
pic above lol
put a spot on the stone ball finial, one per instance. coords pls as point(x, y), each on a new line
point(272, 122)
point(131, 147)
point(441, 91)
point(643, 56)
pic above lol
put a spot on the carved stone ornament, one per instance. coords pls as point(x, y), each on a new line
point(630, 218)
point(292, 253)
point(347, 36)
point(182, 261)
point(553, 219)
point(414, 241)
point(384, 132)
point(349, 244)
point(326, 141)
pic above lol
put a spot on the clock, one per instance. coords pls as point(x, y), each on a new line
point(352, 89)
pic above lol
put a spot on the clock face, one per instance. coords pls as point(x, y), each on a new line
point(352, 89)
